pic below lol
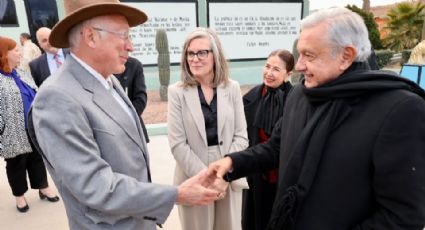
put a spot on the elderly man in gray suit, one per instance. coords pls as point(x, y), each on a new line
point(90, 134)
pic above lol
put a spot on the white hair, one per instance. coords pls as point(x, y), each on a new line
point(345, 28)
point(74, 35)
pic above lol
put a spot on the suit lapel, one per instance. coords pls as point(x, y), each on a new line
point(111, 107)
point(124, 96)
point(44, 67)
point(194, 105)
point(223, 107)
point(105, 101)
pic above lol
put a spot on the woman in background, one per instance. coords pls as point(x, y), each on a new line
point(206, 121)
point(263, 107)
point(17, 91)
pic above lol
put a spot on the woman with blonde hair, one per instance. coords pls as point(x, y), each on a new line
point(206, 120)
point(17, 91)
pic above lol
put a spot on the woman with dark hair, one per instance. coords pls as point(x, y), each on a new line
point(17, 91)
point(263, 108)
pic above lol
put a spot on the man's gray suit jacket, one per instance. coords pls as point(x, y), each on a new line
point(95, 154)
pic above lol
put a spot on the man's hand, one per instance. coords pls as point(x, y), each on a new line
point(196, 191)
point(207, 186)
point(220, 168)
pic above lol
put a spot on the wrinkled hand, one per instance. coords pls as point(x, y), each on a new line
point(220, 186)
point(217, 170)
point(196, 191)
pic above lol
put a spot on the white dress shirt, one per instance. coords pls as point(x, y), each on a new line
point(52, 62)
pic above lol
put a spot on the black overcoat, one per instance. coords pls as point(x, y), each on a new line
point(372, 171)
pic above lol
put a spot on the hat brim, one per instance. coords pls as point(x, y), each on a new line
point(59, 35)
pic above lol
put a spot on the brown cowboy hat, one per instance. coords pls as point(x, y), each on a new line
point(77, 11)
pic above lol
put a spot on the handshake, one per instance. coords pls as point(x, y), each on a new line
point(205, 187)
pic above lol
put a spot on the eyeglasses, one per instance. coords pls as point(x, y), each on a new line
point(201, 54)
point(123, 35)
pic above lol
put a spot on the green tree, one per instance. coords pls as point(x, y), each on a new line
point(405, 23)
point(371, 25)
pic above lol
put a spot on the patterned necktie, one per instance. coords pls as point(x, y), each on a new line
point(111, 86)
point(58, 61)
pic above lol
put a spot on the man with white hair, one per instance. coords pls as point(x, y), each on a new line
point(350, 145)
point(90, 134)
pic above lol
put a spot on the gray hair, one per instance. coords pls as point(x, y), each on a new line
point(345, 28)
point(74, 35)
point(221, 69)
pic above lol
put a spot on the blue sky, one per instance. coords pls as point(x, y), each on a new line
point(318, 4)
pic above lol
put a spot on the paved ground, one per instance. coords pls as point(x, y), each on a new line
point(51, 216)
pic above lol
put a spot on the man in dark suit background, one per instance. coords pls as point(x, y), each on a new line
point(49, 61)
point(133, 82)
